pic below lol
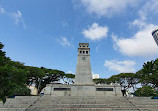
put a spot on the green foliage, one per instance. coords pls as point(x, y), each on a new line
point(149, 73)
point(35, 72)
point(53, 75)
point(34, 75)
point(21, 90)
point(100, 81)
point(3, 59)
point(146, 91)
point(126, 80)
point(12, 78)
point(70, 75)
point(114, 79)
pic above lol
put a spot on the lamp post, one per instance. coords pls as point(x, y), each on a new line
point(155, 35)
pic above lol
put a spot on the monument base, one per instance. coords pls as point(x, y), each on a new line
point(82, 90)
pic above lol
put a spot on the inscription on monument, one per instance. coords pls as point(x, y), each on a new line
point(62, 89)
point(104, 89)
point(83, 58)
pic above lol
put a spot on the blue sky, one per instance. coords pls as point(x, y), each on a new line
point(47, 32)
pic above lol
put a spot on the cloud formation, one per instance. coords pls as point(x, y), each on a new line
point(16, 16)
point(95, 32)
point(125, 66)
point(150, 8)
point(64, 41)
point(2, 10)
point(142, 42)
point(107, 7)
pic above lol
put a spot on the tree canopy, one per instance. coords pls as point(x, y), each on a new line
point(146, 91)
point(15, 76)
point(147, 77)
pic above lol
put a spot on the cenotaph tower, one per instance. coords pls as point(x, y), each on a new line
point(83, 69)
point(83, 86)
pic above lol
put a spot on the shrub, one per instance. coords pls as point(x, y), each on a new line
point(146, 91)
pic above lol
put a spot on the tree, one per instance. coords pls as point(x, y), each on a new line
point(154, 78)
point(146, 91)
point(34, 75)
point(148, 75)
point(12, 78)
point(50, 76)
point(15, 76)
point(100, 81)
point(68, 78)
point(3, 59)
point(146, 72)
point(126, 80)
point(113, 79)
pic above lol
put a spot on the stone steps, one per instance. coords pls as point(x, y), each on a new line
point(84, 106)
point(49, 103)
point(12, 109)
point(19, 103)
point(90, 102)
point(14, 106)
point(88, 109)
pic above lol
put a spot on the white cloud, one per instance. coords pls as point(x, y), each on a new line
point(17, 16)
point(2, 10)
point(120, 66)
point(141, 44)
point(107, 7)
point(150, 8)
point(64, 41)
point(95, 32)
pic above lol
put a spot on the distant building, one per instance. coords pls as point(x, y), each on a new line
point(95, 76)
point(155, 35)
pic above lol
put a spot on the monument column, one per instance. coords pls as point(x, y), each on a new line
point(83, 85)
point(83, 69)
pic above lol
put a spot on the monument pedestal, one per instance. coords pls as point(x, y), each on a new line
point(83, 90)
point(80, 90)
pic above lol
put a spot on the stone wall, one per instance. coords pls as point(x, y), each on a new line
point(81, 90)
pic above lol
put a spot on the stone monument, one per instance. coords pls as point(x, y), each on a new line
point(83, 95)
point(83, 69)
point(84, 85)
